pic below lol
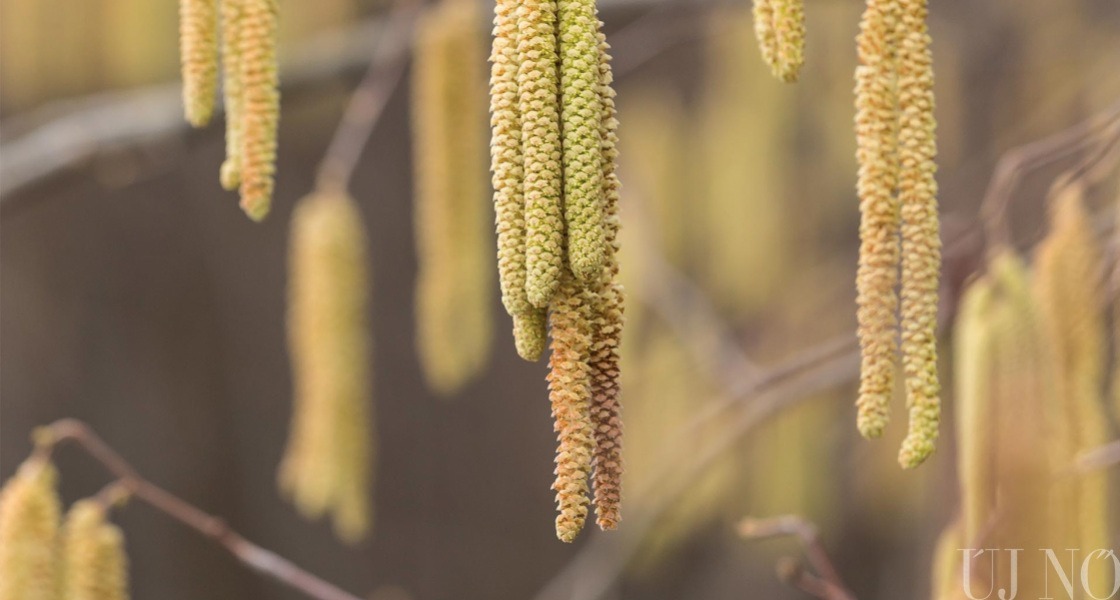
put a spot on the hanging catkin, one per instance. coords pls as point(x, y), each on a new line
point(29, 517)
point(896, 149)
point(95, 566)
point(452, 289)
point(259, 105)
point(327, 464)
point(1069, 289)
point(972, 368)
point(198, 52)
point(230, 175)
point(780, 28)
point(538, 89)
point(570, 394)
point(876, 150)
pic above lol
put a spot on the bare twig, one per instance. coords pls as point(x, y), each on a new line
point(386, 69)
point(251, 555)
point(794, 574)
point(793, 525)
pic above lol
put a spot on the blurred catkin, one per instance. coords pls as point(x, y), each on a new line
point(327, 464)
point(780, 29)
point(570, 395)
point(921, 238)
point(198, 55)
point(453, 284)
point(95, 566)
point(581, 112)
point(1069, 289)
point(538, 94)
point(876, 150)
point(230, 174)
point(29, 518)
point(260, 104)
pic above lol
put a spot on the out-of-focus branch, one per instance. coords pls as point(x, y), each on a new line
point(792, 572)
point(829, 586)
point(1101, 457)
point(128, 479)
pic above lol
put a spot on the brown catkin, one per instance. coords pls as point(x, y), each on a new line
point(95, 566)
point(260, 104)
point(327, 464)
point(198, 53)
point(29, 518)
point(230, 175)
point(921, 240)
point(877, 144)
point(607, 321)
point(452, 289)
point(570, 395)
point(538, 93)
point(1069, 289)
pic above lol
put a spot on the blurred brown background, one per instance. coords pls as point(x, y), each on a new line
point(135, 296)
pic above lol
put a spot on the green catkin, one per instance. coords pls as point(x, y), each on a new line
point(95, 566)
point(198, 51)
point(580, 115)
point(29, 520)
point(260, 104)
point(452, 291)
point(538, 104)
point(530, 333)
point(877, 143)
point(569, 393)
point(1069, 289)
point(230, 175)
point(607, 321)
point(327, 464)
point(921, 241)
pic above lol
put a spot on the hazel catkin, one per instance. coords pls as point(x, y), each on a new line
point(780, 29)
point(29, 520)
point(198, 51)
point(259, 104)
point(230, 174)
point(95, 566)
point(327, 464)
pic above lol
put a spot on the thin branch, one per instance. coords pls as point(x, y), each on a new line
point(385, 72)
point(799, 527)
point(251, 555)
point(794, 574)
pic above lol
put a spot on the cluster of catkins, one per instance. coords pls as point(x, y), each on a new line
point(43, 558)
point(252, 99)
point(896, 147)
point(556, 201)
point(328, 462)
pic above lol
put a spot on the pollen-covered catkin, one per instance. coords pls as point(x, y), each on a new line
point(452, 289)
point(1068, 286)
point(921, 239)
point(29, 517)
point(607, 321)
point(877, 146)
point(95, 566)
point(538, 89)
point(581, 112)
point(198, 55)
point(779, 26)
point(260, 104)
point(764, 32)
point(230, 175)
point(570, 394)
point(327, 465)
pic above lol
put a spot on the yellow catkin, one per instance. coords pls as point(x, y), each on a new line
point(945, 574)
point(452, 290)
point(198, 52)
point(921, 238)
point(764, 32)
point(606, 336)
point(1069, 288)
point(972, 368)
point(581, 111)
point(779, 26)
point(231, 92)
point(877, 143)
point(29, 517)
point(95, 566)
point(327, 464)
point(570, 395)
point(538, 89)
point(260, 104)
